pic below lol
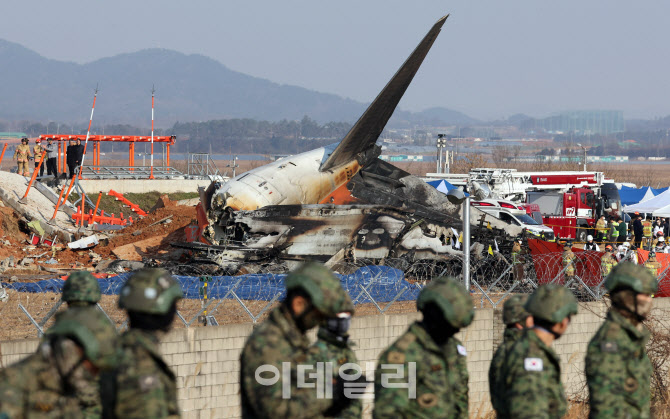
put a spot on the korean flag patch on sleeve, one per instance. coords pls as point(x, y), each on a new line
point(532, 364)
point(461, 350)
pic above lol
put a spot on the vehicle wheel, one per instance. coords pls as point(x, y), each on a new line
point(581, 235)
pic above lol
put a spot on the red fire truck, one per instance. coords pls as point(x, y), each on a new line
point(569, 202)
point(573, 214)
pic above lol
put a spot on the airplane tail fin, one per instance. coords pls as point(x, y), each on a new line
point(364, 134)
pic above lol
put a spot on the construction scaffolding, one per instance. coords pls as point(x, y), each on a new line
point(129, 172)
point(202, 164)
point(116, 172)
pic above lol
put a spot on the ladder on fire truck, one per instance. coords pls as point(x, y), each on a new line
point(512, 185)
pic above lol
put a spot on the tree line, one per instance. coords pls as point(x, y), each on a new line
point(220, 136)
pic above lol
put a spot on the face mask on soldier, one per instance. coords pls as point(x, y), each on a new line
point(339, 325)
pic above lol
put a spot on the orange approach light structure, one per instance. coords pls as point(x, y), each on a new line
point(97, 139)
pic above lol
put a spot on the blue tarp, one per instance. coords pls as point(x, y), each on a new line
point(442, 185)
point(659, 191)
point(631, 196)
point(383, 284)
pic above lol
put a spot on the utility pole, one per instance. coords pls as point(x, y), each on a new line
point(441, 144)
point(584, 149)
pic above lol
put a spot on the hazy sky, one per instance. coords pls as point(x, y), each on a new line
point(493, 58)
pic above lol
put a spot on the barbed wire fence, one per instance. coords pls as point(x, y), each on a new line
point(375, 287)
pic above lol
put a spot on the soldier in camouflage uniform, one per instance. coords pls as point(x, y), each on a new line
point(532, 368)
point(516, 319)
point(143, 386)
point(81, 289)
point(518, 260)
point(47, 384)
point(333, 346)
point(618, 371)
point(439, 359)
point(313, 293)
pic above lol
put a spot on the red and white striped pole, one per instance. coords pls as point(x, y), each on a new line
point(151, 176)
point(88, 133)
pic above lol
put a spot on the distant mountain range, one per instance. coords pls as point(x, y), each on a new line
point(189, 88)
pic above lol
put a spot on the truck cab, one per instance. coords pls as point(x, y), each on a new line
point(514, 214)
point(573, 214)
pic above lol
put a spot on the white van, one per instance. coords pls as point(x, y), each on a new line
point(514, 214)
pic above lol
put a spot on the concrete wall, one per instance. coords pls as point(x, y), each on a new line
point(143, 185)
point(205, 359)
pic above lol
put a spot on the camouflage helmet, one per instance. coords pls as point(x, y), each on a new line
point(552, 303)
point(451, 297)
point(81, 286)
point(150, 291)
point(322, 287)
point(93, 331)
point(631, 276)
point(513, 311)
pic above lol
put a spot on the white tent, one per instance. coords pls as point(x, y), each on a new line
point(647, 195)
point(662, 212)
point(650, 205)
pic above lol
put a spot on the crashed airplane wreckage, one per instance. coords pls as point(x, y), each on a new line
point(340, 201)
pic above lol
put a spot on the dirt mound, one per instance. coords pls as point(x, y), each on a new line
point(170, 232)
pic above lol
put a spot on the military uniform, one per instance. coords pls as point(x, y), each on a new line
point(618, 370)
point(533, 380)
point(22, 156)
point(532, 368)
point(435, 367)
point(281, 343)
point(36, 387)
point(81, 292)
point(275, 341)
point(336, 350)
point(143, 386)
point(33, 388)
point(441, 376)
point(513, 313)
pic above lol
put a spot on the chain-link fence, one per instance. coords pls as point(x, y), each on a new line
point(388, 286)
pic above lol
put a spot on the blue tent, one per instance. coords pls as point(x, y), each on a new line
point(441, 185)
point(632, 196)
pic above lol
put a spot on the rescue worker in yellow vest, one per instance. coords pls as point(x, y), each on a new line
point(652, 265)
point(517, 260)
point(614, 230)
point(601, 229)
point(646, 234)
point(607, 261)
point(38, 150)
point(568, 261)
point(22, 156)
